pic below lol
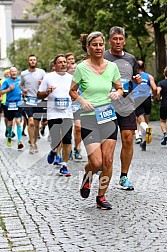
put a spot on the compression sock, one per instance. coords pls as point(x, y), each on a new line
point(19, 133)
point(9, 130)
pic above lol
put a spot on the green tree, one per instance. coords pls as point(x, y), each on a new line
point(52, 36)
point(145, 21)
point(18, 53)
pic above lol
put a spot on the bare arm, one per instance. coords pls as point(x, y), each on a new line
point(86, 105)
point(119, 91)
point(153, 86)
point(158, 92)
point(44, 94)
point(11, 87)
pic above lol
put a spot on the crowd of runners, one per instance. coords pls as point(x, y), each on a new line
point(90, 100)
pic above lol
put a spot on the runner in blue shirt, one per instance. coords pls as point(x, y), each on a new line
point(11, 88)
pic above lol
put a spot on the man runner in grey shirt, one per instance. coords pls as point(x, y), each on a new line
point(129, 71)
point(30, 81)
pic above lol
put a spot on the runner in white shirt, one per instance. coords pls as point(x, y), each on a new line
point(56, 86)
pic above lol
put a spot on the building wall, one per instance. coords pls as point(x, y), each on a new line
point(11, 29)
point(5, 29)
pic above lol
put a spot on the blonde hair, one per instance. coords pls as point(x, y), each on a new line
point(6, 71)
point(93, 35)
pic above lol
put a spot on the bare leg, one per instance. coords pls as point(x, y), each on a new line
point(127, 150)
point(163, 126)
point(108, 148)
point(66, 152)
point(31, 130)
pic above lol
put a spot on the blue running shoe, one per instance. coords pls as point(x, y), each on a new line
point(64, 171)
point(125, 184)
point(51, 157)
point(57, 160)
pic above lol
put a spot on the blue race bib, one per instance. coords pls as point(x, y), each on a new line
point(75, 106)
point(32, 101)
point(61, 103)
point(12, 106)
point(105, 114)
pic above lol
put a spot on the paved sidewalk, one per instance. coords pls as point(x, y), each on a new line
point(41, 211)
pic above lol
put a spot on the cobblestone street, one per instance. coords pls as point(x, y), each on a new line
point(43, 212)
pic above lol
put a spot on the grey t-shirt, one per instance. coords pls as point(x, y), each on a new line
point(31, 81)
point(127, 66)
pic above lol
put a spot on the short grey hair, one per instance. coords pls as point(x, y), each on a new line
point(93, 35)
point(118, 30)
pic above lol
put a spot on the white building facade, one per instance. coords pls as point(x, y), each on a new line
point(13, 26)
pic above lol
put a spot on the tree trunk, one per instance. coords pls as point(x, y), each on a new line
point(160, 49)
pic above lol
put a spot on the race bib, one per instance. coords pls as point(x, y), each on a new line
point(105, 114)
point(12, 106)
point(61, 103)
point(32, 101)
point(75, 107)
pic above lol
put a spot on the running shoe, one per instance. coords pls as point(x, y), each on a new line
point(36, 148)
point(85, 187)
point(149, 135)
point(51, 157)
point(125, 184)
point(143, 146)
point(77, 154)
point(31, 149)
point(9, 142)
point(164, 140)
point(57, 160)
point(20, 145)
point(64, 171)
point(102, 203)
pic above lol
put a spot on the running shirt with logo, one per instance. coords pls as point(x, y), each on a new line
point(96, 87)
point(30, 81)
point(127, 66)
point(59, 101)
